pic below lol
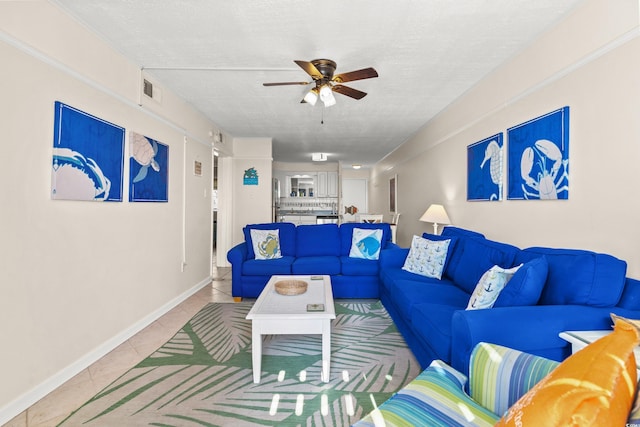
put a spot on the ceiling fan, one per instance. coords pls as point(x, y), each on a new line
point(321, 71)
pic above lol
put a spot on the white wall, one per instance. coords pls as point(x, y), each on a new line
point(77, 278)
point(590, 62)
point(251, 203)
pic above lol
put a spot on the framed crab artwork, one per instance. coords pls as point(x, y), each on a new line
point(539, 158)
point(88, 157)
point(484, 169)
point(148, 169)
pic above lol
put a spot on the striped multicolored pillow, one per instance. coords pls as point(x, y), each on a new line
point(435, 398)
point(499, 376)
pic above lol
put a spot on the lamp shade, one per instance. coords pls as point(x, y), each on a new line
point(311, 97)
point(435, 214)
point(326, 96)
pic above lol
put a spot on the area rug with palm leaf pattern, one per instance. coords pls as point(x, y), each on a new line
point(203, 375)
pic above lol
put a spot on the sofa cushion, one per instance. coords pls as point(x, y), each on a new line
point(456, 249)
point(526, 285)
point(630, 298)
point(436, 397)
point(358, 267)
point(266, 243)
point(366, 244)
point(593, 387)
point(317, 240)
point(579, 277)
point(287, 236)
point(258, 267)
point(408, 293)
point(316, 265)
point(400, 274)
point(478, 256)
point(489, 287)
point(426, 257)
point(346, 234)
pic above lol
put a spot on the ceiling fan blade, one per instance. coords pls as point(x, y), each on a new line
point(365, 73)
point(285, 83)
point(310, 69)
point(349, 91)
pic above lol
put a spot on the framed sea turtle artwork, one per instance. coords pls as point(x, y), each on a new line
point(485, 168)
point(148, 169)
point(88, 157)
point(539, 158)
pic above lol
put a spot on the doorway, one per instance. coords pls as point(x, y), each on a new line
point(214, 208)
point(354, 193)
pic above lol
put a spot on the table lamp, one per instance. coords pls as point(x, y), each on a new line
point(437, 215)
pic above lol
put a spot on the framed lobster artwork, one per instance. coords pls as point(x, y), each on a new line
point(539, 158)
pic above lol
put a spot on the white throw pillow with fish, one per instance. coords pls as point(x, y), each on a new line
point(366, 243)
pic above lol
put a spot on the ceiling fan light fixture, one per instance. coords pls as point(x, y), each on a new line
point(326, 96)
point(311, 97)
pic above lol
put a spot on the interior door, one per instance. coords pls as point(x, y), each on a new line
point(354, 193)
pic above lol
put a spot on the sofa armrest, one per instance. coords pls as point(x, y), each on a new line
point(533, 329)
point(393, 258)
point(237, 255)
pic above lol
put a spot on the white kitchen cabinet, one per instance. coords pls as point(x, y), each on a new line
point(299, 219)
point(332, 184)
point(322, 184)
point(302, 185)
point(295, 219)
point(307, 219)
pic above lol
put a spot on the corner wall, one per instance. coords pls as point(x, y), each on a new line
point(78, 278)
point(591, 63)
point(251, 203)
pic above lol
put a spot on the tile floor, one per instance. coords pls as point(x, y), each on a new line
point(57, 405)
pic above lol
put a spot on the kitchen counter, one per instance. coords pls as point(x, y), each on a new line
point(308, 217)
point(311, 213)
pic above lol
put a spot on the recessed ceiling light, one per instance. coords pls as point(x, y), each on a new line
point(356, 166)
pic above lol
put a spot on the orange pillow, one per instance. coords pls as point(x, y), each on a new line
point(593, 387)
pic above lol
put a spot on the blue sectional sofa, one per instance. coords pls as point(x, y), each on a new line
point(555, 290)
point(309, 249)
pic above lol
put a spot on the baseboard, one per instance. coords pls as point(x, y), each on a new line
point(19, 405)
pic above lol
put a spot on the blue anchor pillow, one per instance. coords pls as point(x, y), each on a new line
point(366, 243)
point(427, 257)
point(266, 243)
point(489, 287)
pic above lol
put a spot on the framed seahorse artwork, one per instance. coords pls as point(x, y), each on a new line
point(484, 169)
point(539, 158)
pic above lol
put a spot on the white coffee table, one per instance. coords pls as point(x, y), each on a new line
point(274, 314)
point(581, 339)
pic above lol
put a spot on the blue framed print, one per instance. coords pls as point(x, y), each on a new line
point(148, 169)
point(88, 157)
point(539, 158)
point(484, 169)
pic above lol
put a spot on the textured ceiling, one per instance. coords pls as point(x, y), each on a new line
point(217, 54)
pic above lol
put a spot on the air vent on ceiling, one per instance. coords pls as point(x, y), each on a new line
point(147, 88)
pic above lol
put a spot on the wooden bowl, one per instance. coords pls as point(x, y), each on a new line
point(291, 287)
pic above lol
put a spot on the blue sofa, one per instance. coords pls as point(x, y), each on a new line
point(309, 249)
point(555, 290)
